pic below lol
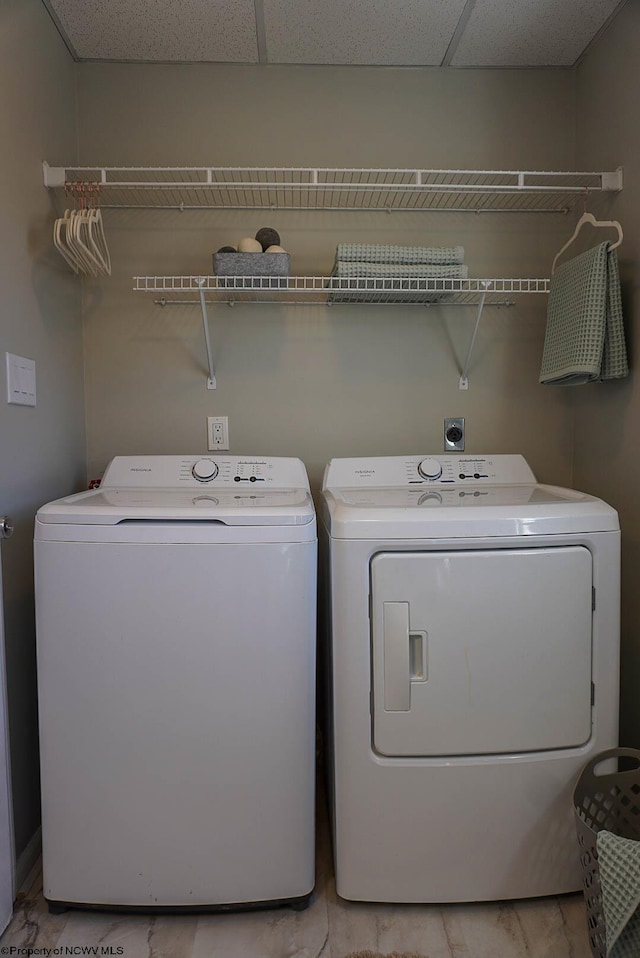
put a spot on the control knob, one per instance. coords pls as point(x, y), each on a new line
point(430, 469)
point(204, 470)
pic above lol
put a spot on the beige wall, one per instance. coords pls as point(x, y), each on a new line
point(305, 381)
point(42, 453)
point(317, 382)
point(607, 452)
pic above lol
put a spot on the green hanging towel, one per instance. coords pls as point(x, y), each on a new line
point(584, 340)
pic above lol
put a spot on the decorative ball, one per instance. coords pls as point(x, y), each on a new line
point(227, 249)
point(275, 249)
point(248, 245)
point(268, 237)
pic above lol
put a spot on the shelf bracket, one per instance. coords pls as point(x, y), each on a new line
point(464, 380)
point(211, 381)
point(54, 176)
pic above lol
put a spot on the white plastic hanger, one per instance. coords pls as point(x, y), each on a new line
point(589, 218)
point(98, 240)
point(79, 235)
point(60, 240)
point(79, 247)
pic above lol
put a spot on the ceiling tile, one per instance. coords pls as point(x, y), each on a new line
point(190, 30)
point(530, 32)
point(383, 32)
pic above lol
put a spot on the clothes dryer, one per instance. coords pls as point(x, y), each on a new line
point(176, 624)
point(474, 656)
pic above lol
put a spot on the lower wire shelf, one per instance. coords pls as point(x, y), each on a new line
point(331, 290)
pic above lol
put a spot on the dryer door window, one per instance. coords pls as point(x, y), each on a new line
point(481, 652)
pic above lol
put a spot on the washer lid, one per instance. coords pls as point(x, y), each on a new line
point(273, 507)
point(472, 497)
point(249, 491)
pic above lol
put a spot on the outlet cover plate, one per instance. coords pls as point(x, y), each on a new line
point(454, 435)
point(217, 433)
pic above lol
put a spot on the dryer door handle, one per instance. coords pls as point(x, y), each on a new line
point(397, 664)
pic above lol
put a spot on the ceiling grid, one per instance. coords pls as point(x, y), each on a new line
point(449, 33)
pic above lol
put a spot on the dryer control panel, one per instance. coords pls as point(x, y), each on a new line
point(170, 472)
point(442, 470)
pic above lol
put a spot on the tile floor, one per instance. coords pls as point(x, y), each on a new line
point(329, 928)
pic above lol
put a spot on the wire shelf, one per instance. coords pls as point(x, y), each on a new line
point(196, 188)
point(328, 290)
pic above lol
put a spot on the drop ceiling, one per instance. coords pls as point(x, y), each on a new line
point(457, 33)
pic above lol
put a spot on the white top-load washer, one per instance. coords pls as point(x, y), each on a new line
point(474, 656)
point(176, 627)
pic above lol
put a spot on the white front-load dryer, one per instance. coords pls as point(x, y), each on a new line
point(473, 659)
point(176, 627)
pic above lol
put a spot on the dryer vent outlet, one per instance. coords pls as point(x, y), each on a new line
point(454, 435)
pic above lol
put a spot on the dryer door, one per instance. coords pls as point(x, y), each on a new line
point(481, 652)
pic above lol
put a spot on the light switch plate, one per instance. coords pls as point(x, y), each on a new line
point(21, 380)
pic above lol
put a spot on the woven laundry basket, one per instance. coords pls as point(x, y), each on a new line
point(610, 801)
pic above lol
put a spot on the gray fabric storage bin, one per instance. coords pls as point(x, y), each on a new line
point(255, 265)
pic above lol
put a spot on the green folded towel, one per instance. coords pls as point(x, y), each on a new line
point(619, 873)
point(399, 271)
point(584, 339)
point(378, 253)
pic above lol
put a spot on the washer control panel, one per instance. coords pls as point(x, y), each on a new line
point(196, 471)
point(442, 470)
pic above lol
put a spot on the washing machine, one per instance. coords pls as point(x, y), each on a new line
point(473, 660)
point(176, 639)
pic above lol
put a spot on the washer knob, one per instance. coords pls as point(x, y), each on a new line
point(430, 469)
point(204, 470)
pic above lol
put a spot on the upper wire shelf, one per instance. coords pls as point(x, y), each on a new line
point(328, 290)
point(197, 188)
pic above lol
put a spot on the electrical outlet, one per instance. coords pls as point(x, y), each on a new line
point(217, 433)
point(454, 435)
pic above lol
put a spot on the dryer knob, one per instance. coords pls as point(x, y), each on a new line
point(204, 470)
point(430, 469)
